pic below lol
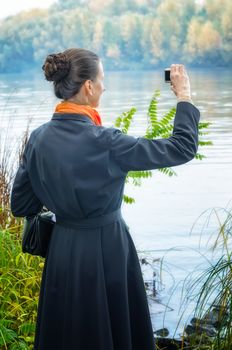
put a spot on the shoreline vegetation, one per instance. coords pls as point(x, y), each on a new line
point(127, 35)
point(20, 274)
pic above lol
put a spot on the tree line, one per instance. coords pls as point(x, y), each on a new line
point(126, 34)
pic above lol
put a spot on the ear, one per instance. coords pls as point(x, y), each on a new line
point(88, 84)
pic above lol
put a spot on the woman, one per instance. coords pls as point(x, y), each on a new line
point(92, 294)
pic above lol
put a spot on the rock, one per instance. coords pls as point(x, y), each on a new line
point(201, 328)
point(169, 344)
point(200, 322)
point(216, 316)
point(195, 321)
point(146, 284)
point(144, 261)
point(163, 332)
point(189, 330)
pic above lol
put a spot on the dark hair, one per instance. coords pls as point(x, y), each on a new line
point(70, 69)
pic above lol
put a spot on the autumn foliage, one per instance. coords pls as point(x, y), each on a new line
point(126, 34)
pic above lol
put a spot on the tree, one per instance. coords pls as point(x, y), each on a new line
point(202, 42)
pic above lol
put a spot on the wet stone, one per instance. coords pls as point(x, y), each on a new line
point(163, 332)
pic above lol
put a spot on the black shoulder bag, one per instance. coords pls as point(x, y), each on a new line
point(37, 231)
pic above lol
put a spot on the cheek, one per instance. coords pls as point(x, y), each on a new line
point(102, 86)
point(101, 89)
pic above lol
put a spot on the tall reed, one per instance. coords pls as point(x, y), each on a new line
point(212, 291)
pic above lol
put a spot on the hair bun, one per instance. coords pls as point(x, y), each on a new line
point(56, 67)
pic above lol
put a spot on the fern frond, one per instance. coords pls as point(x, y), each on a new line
point(158, 128)
point(168, 117)
point(137, 176)
point(128, 199)
point(166, 135)
point(140, 173)
point(152, 113)
point(200, 133)
point(205, 143)
point(118, 122)
point(168, 171)
point(136, 181)
point(153, 130)
point(152, 109)
point(166, 129)
point(199, 156)
point(203, 125)
point(125, 119)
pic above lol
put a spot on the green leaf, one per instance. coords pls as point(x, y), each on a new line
point(205, 143)
point(19, 346)
point(199, 156)
point(128, 199)
point(141, 173)
point(168, 171)
point(203, 125)
point(6, 335)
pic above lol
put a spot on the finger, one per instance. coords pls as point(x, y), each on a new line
point(181, 69)
point(173, 67)
point(173, 70)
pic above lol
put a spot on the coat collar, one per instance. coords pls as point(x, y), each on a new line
point(72, 116)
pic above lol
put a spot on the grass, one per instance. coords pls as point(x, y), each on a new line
point(20, 276)
point(211, 289)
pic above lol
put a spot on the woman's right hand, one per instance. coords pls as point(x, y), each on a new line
point(180, 83)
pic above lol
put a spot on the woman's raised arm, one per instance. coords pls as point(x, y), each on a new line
point(140, 153)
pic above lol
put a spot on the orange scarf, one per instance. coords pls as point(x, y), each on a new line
point(71, 107)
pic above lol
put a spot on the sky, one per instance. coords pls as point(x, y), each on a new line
point(12, 7)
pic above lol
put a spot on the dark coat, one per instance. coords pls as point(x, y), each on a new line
point(92, 294)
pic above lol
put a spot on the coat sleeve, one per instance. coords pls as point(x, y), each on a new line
point(23, 200)
point(140, 153)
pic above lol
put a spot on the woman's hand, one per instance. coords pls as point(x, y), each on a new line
point(180, 84)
